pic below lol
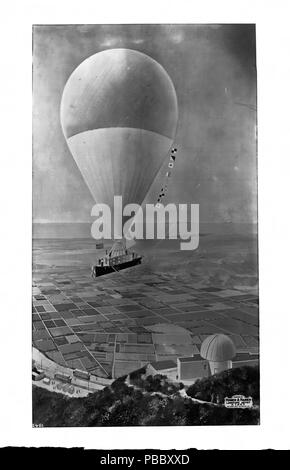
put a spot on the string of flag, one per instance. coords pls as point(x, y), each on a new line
point(170, 167)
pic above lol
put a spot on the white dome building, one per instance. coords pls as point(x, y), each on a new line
point(219, 351)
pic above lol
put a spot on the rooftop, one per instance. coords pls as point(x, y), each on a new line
point(245, 356)
point(191, 358)
point(162, 365)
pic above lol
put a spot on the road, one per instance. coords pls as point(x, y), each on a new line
point(81, 387)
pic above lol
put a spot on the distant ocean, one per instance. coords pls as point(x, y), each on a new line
point(83, 230)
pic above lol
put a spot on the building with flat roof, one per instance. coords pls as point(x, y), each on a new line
point(192, 367)
point(245, 359)
point(217, 353)
point(167, 367)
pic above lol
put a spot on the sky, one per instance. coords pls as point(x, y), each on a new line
point(213, 69)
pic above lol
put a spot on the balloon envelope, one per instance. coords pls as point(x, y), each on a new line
point(119, 117)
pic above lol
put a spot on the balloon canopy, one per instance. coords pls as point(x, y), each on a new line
point(119, 116)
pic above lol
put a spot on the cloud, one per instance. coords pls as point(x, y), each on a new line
point(116, 40)
point(138, 41)
point(177, 38)
point(113, 41)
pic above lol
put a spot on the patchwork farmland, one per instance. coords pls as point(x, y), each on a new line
point(119, 322)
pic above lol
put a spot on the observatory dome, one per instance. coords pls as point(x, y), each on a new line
point(218, 348)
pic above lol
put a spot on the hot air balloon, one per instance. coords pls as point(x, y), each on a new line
point(119, 117)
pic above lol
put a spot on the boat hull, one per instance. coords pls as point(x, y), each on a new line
point(102, 270)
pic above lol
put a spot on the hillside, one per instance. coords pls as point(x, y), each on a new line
point(150, 401)
point(240, 381)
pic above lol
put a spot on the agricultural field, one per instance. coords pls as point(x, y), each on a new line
point(160, 310)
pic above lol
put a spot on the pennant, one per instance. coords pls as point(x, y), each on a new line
point(167, 175)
